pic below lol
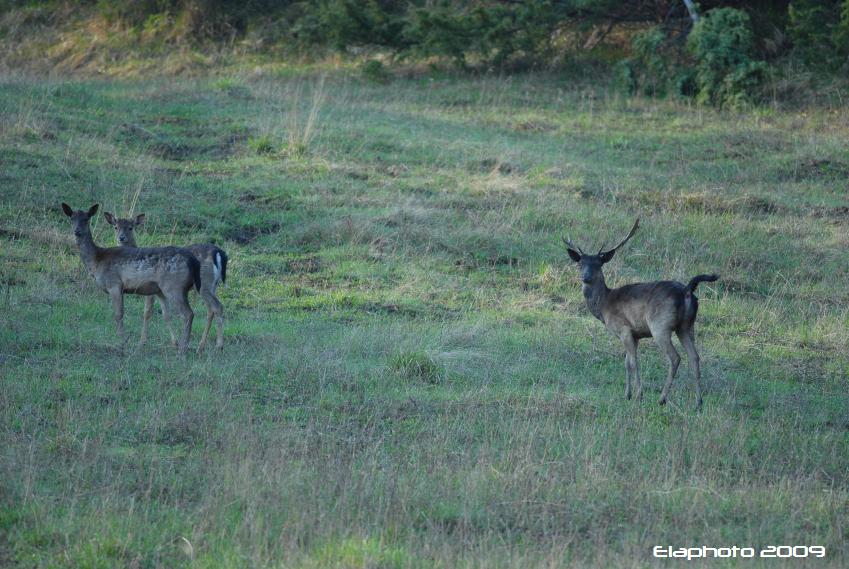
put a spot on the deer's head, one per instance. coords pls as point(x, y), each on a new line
point(591, 264)
point(124, 227)
point(80, 219)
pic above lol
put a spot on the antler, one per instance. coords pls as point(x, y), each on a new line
point(568, 242)
point(627, 237)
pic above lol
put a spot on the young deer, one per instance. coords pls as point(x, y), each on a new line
point(213, 270)
point(641, 310)
point(165, 271)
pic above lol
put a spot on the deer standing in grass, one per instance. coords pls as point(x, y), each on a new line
point(642, 310)
point(213, 270)
point(168, 272)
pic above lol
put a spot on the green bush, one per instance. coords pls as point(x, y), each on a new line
point(649, 68)
point(819, 30)
point(341, 24)
point(374, 71)
point(726, 75)
point(491, 33)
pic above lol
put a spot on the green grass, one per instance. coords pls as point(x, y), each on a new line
point(410, 377)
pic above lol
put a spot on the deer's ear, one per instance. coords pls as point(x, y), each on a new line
point(574, 255)
point(110, 219)
point(93, 210)
point(67, 209)
point(606, 256)
point(139, 219)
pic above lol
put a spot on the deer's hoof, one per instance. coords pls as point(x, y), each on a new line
point(662, 401)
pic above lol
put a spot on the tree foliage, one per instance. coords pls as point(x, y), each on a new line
point(722, 43)
point(819, 30)
point(656, 47)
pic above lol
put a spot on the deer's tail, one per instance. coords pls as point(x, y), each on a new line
point(219, 261)
point(694, 282)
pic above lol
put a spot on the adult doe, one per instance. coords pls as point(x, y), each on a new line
point(213, 270)
point(166, 271)
point(641, 310)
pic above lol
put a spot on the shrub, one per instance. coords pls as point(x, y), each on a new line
point(722, 43)
point(493, 33)
point(648, 70)
point(374, 71)
point(819, 30)
point(341, 24)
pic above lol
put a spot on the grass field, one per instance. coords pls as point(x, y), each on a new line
point(410, 376)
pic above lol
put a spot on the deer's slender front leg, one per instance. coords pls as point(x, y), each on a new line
point(163, 302)
point(632, 367)
point(117, 296)
point(148, 310)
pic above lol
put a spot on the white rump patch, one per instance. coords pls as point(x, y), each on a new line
point(216, 266)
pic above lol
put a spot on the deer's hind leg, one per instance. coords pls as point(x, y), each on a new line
point(663, 337)
point(688, 340)
point(214, 309)
point(179, 301)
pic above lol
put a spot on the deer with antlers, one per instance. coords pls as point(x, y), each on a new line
point(165, 271)
point(213, 270)
point(642, 310)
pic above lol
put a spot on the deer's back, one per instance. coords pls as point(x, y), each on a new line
point(643, 306)
point(144, 270)
point(203, 251)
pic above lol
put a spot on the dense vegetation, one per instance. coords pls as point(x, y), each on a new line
point(732, 54)
point(411, 378)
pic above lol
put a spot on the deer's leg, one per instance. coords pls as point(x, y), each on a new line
point(117, 296)
point(218, 308)
point(664, 340)
point(214, 309)
point(181, 304)
point(688, 341)
point(632, 367)
point(209, 316)
point(163, 302)
point(148, 309)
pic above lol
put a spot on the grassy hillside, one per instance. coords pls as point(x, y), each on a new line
point(410, 377)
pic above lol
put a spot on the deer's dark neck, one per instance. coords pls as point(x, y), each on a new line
point(596, 296)
point(88, 250)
